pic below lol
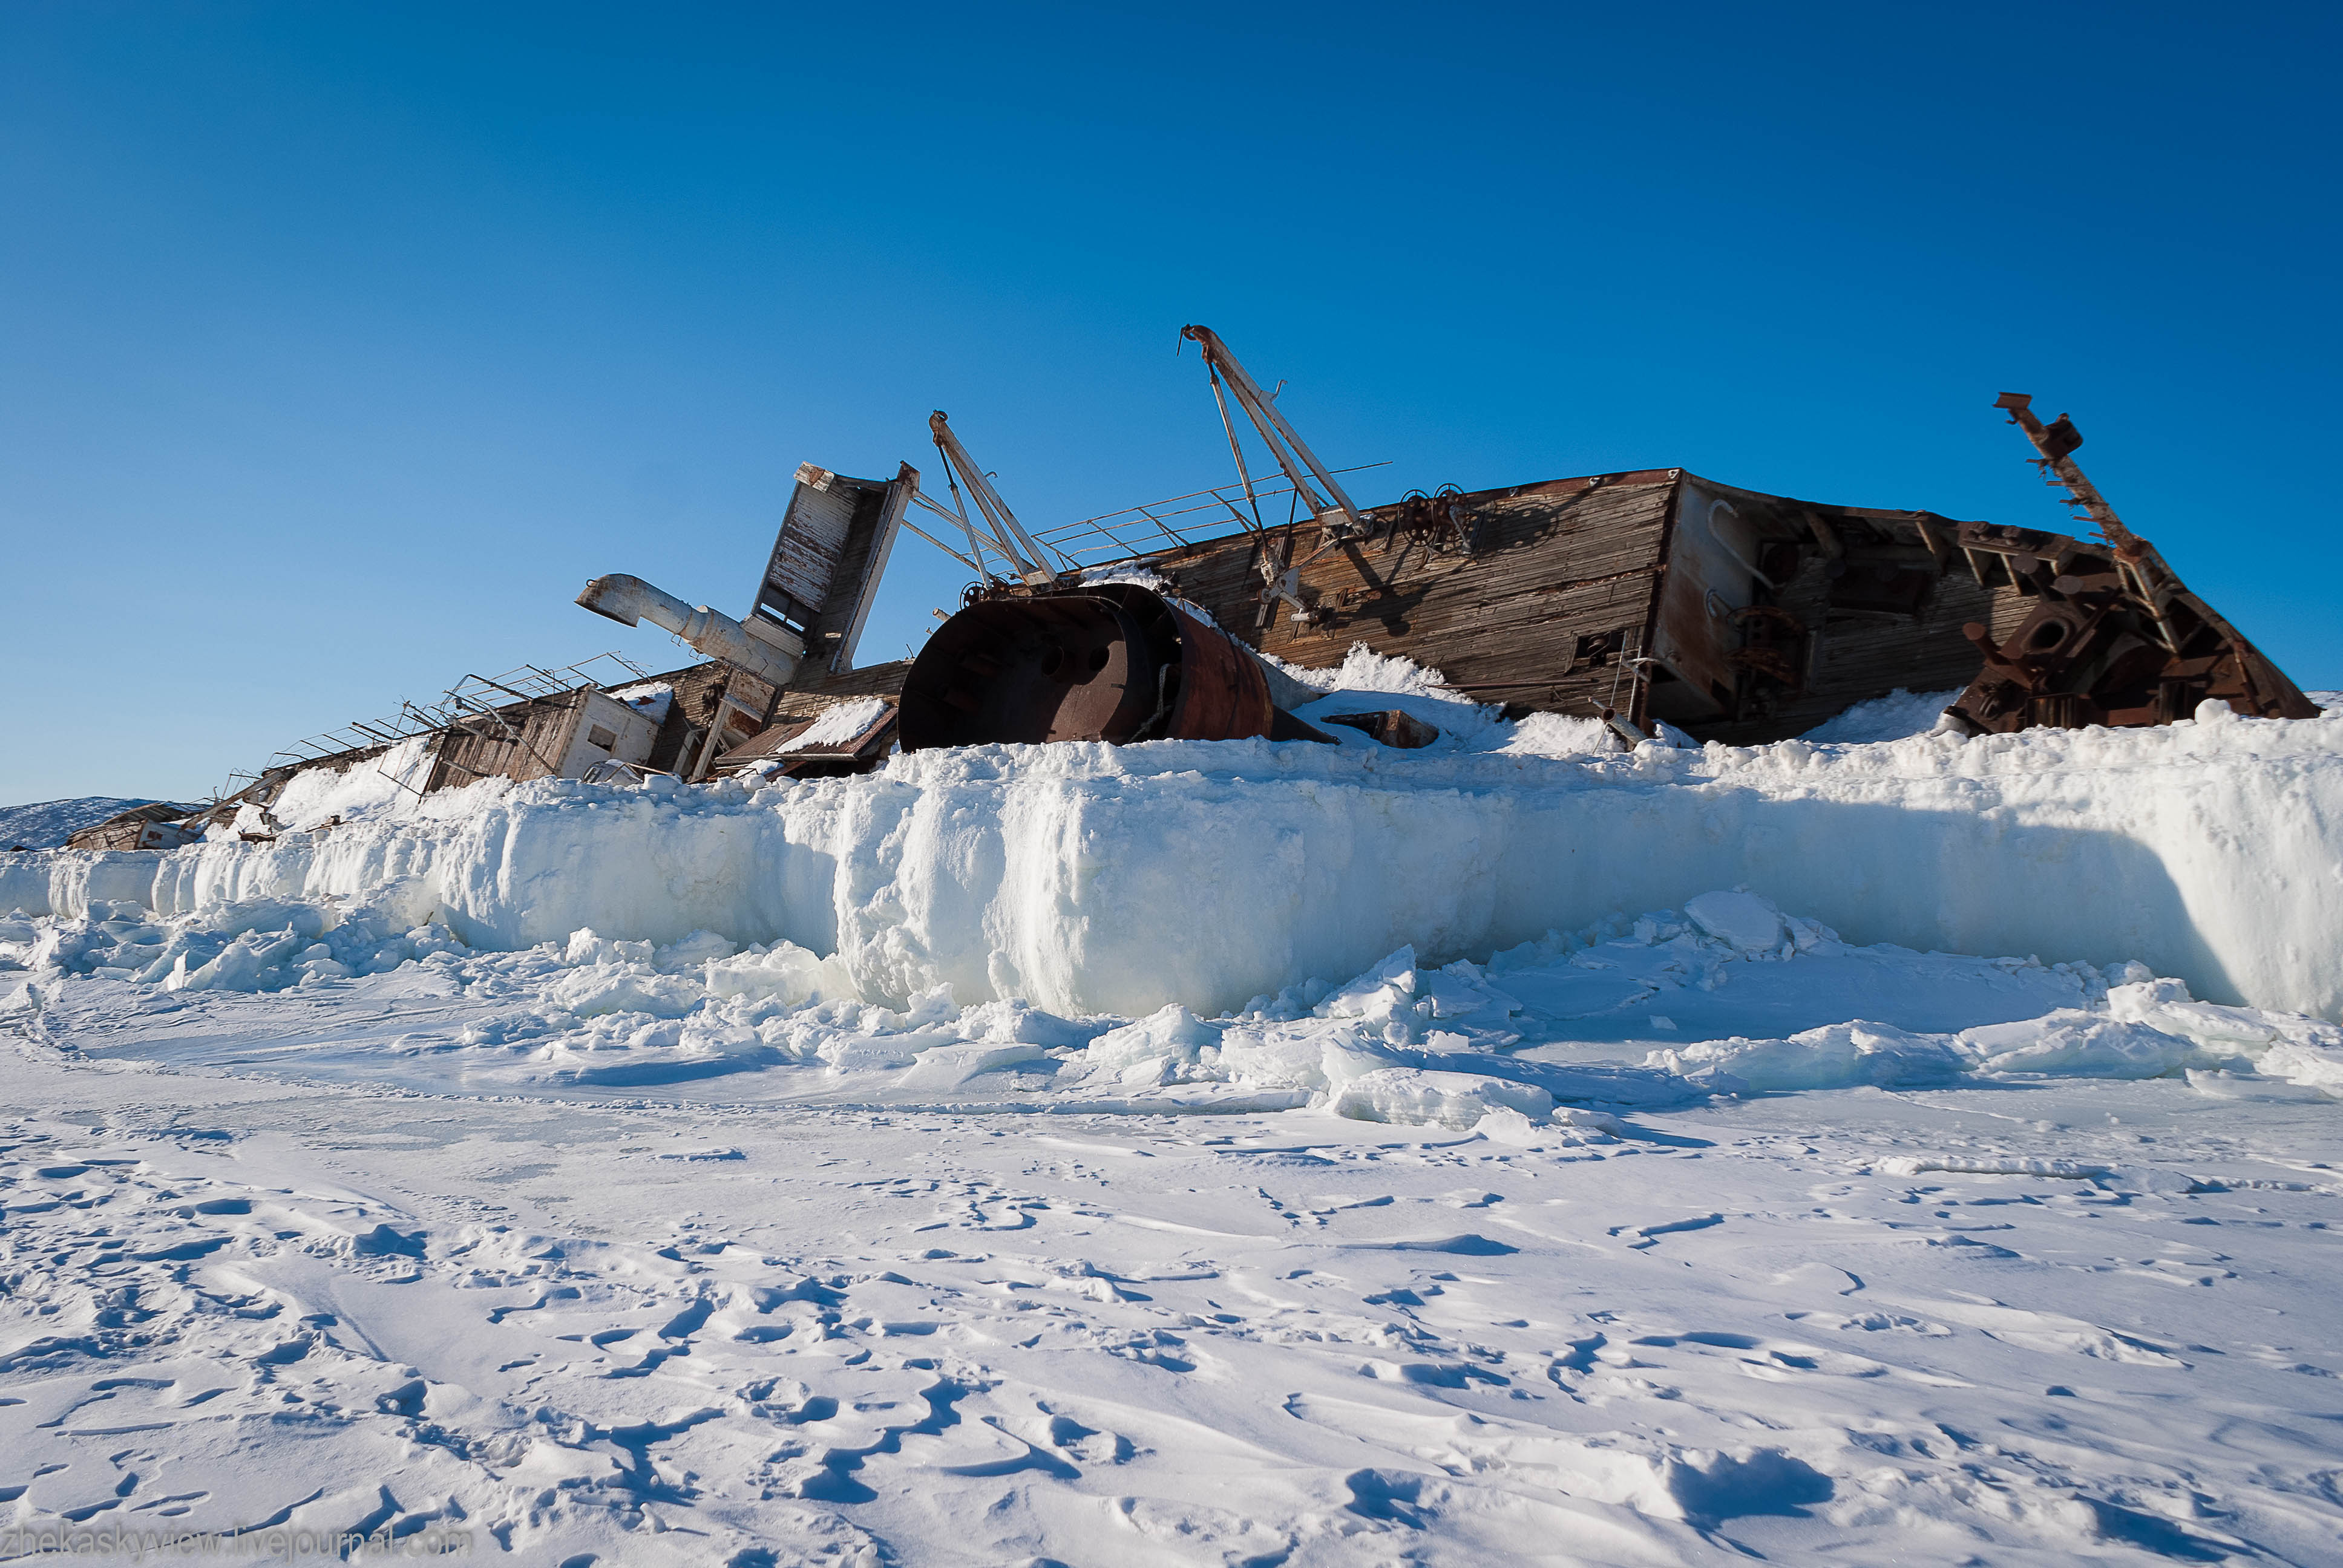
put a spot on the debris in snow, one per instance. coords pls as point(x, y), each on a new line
point(157, 825)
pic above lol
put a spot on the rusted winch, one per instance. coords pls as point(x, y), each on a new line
point(1114, 662)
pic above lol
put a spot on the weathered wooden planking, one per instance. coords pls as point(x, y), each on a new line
point(524, 740)
point(1549, 565)
point(812, 539)
point(1563, 584)
point(835, 613)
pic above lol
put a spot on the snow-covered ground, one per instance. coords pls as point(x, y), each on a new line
point(1509, 1152)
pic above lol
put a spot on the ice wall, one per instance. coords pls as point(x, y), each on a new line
point(1086, 877)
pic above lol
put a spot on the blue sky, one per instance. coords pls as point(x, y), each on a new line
point(339, 345)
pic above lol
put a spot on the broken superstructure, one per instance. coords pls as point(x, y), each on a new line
point(1646, 598)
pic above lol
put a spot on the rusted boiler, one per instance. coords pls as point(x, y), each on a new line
point(1114, 662)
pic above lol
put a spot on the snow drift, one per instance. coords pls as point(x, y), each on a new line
point(1093, 879)
point(1505, 1043)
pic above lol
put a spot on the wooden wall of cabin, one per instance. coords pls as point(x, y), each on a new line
point(1556, 589)
point(481, 748)
point(827, 627)
point(1565, 582)
point(697, 699)
point(815, 689)
point(1857, 655)
point(697, 706)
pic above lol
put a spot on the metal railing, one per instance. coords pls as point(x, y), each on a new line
point(469, 696)
point(1189, 519)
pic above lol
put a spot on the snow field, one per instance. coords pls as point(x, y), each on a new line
point(989, 1161)
point(2058, 1322)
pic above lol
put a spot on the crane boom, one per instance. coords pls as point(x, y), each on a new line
point(1279, 436)
point(1003, 531)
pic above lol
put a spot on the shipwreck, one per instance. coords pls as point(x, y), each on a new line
point(1651, 599)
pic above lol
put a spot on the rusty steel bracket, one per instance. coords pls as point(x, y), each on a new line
point(1002, 531)
point(1292, 453)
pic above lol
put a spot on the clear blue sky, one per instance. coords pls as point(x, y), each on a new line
point(341, 343)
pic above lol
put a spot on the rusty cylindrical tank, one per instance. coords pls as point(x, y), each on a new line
point(1115, 662)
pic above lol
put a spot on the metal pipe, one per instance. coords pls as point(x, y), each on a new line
point(630, 601)
point(1727, 545)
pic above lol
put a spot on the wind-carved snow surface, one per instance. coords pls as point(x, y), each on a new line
point(1514, 1151)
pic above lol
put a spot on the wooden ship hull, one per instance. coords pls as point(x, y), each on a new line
point(1650, 597)
point(1654, 596)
